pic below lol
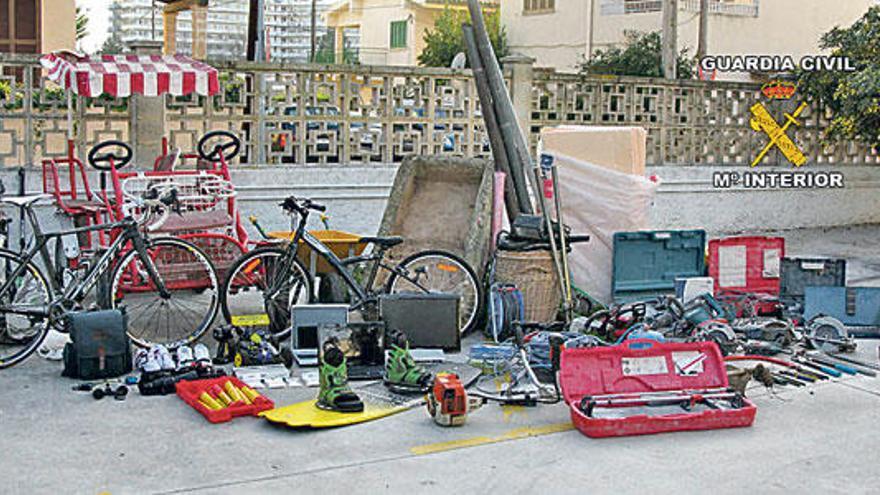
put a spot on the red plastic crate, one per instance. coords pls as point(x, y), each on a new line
point(190, 391)
point(748, 264)
point(645, 366)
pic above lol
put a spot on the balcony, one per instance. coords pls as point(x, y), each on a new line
point(463, 3)
point(738, 8)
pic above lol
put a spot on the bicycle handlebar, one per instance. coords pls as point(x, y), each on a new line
point(161, 201)
point(293, 205)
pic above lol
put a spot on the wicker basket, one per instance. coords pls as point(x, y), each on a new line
point(534, 274)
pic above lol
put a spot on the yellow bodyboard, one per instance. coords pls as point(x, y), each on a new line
point(308, 415)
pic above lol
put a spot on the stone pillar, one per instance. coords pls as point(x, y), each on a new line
point(199, 31)
point(339, 44)
point(520, 69)
point(169, 30)
point(147, 115)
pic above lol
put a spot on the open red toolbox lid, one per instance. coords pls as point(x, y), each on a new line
point(642, 367)
point(639, 366)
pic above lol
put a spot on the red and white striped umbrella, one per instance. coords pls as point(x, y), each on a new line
point(125, 75)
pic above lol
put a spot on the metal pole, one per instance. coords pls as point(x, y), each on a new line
point(545, 211)
point(489, 117)
point(153, 20)
point(592, 26)
point(703, 43)
point(314, 35)
point(517, 151)
point(563, 247)
point(70, 114)
point(253, 30)
point(260, 52)
point(670, 38)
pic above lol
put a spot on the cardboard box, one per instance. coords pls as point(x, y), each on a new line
point(618, 148)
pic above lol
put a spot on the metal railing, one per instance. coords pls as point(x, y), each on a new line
point(741, 8)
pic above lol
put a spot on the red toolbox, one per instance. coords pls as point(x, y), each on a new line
point(638, 373)
point(747, 265)
point(191, 390)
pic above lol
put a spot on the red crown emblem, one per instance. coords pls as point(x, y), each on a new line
point(779, 90)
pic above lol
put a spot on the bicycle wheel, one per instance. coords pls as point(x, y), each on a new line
point(21, 334)
point(243, 297)
point(191, 280)
point(439, 271)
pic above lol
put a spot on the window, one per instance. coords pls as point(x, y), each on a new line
point(538, 6)
point(398, 34)
point(20, 26)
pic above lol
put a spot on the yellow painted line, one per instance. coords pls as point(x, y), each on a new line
point(519, 433)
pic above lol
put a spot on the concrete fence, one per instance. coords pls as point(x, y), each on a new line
point(353, 115)
point(337, 133)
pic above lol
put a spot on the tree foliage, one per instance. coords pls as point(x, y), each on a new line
point(641, 55)
point(852, 97)
point(113, 46)
point(445, 39)
point(82, 24)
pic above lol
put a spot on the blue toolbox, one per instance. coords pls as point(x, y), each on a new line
point(646, 264)
point(800, 273)
point(853, 306)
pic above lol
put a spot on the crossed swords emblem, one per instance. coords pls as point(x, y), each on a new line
point(763, 121)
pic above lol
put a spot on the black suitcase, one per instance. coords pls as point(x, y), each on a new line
point(100, 348)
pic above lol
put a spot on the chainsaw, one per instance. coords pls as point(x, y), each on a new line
point(447, 401)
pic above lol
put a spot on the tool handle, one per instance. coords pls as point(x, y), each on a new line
point(846, 369)
point(829, 371)
point(824, 369)
point(256, 223)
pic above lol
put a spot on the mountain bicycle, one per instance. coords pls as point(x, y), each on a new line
point(269, 280)
point(137, 273)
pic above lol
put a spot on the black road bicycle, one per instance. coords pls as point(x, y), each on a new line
point(144, 278)
point(269, 280)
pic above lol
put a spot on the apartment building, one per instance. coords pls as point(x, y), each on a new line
point(37, 26)
point(288, 26)
point(136, 20)
point(384, 32)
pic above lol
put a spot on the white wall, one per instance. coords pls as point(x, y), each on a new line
point(557, 39)
point(687, 199)
point(356, 198)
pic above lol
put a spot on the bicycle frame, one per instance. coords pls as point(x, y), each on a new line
point(77, 292)
point(328, 255)
point(362, 292)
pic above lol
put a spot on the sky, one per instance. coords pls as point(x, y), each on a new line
point(99, 23)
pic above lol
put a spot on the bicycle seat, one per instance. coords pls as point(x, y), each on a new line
point(24, 200)
point(385, 242)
